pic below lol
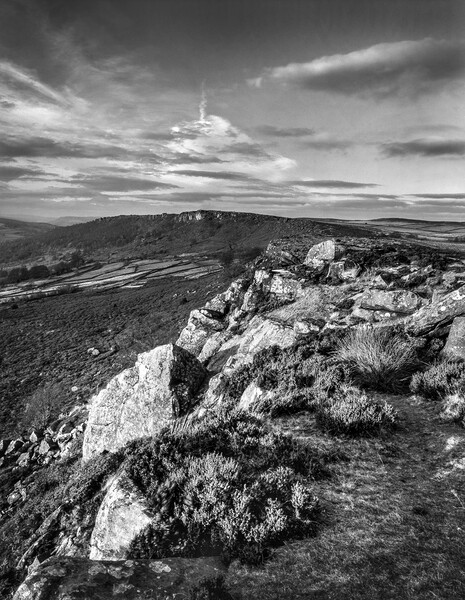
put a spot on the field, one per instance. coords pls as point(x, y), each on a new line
point(116, 275)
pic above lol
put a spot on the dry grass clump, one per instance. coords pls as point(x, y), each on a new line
point(350, 411)
point(378, 359)
point(443, 378)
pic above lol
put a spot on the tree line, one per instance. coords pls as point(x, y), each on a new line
point(41, 271)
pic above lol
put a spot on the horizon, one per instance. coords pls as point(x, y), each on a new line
point(347, 109)
point(323, 219)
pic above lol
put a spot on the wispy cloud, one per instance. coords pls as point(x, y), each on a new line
point(329, 183)
point(427, 147)
point(15, 80)
point(284, 132)
point(444, 196)
point(225, 175)
point(412, 66)
point(10, 172)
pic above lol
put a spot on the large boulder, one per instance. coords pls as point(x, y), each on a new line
point(440, 312)
point(395, 301)
point(455, 345)
point(122, 515)
point(141, 400)
point(324, 252)
point(82, 579)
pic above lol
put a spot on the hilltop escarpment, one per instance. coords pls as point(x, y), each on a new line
point(201, 457)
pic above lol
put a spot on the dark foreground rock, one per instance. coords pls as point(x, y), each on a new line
point(82, 579)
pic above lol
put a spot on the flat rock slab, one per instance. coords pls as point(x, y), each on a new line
point(398, 301)
point(82, 579)
point(143, 399)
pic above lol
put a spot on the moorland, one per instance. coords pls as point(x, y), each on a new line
point(294, 426)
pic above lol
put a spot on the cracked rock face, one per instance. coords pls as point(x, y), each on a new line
point(141, 400)
point(83, 579)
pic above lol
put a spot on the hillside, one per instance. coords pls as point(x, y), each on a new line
point(11, 229)
point(311, 412)
point(67, 221)
point(167, 234)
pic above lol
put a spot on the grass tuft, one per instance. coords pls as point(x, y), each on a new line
point(378, 359)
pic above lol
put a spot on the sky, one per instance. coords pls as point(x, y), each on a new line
point(349, 109)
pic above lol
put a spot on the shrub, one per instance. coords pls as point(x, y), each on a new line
point(453, 408)
point(351, 412)
point(291, 372)
point(443, 378)
point(378, 359)
point(285, 402)
point(227, 485)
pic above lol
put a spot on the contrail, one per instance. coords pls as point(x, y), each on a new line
point(203, 104)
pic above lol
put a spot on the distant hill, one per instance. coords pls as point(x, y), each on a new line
point(67, 221)
point(189, 232)
point(12, 229)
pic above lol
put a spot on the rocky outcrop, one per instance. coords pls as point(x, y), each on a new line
point(455, 345)
point(438, 313)
point(82, 579)
point(143, 399)
point(212, 321)
point(261, 333)
point(121, 516)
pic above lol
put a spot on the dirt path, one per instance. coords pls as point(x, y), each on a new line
point(395, 518)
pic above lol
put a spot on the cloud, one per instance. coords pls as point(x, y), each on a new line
point(156, 136)
point(445, 196)
point(226, 175)
point(15, 79)
point(10, 172)
point(284, 132)
point(330, 183)
point(206, 139)
point(42, 147)
point(380, 69)
point(326, 143)
point(112, 183)
point(426, 147)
